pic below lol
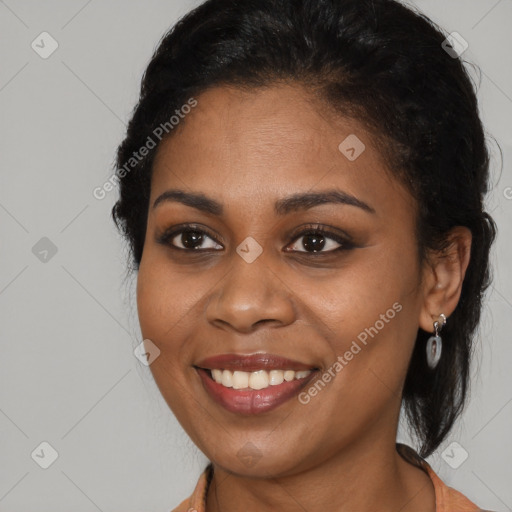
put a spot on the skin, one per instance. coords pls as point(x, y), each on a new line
point(247, 150)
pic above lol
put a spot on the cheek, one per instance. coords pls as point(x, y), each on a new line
point(170, 305)
point(158, 304)
point(371, 313)
point(148, 302)
point(356, 297)
point(159, 311)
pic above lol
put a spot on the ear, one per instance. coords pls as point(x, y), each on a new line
point(443, 277)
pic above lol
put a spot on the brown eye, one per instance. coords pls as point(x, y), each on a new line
point(315, 242)
point(319, 240)
point(193, 240)
point(189, 239)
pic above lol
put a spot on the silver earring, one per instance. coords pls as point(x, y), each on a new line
point(435, 343)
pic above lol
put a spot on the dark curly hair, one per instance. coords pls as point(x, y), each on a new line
point(376, 61)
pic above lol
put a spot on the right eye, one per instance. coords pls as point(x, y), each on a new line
point(188, 238)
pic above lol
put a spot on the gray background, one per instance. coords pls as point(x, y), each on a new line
point(69, 324)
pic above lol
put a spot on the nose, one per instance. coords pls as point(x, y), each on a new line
point(249, 295)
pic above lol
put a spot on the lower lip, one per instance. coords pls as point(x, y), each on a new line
point(253, 401)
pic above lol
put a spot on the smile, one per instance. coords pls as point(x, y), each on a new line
point(260, 379)
point(253, 384)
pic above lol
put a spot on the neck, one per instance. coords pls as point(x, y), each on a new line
point(365, 476)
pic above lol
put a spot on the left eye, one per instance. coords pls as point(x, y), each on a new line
point(317, 241)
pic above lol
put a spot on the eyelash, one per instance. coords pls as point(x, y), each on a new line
point(345, 243)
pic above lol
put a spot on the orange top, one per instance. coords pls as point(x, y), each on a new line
point(447, 498)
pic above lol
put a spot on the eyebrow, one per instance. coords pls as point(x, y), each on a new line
point(295, 202)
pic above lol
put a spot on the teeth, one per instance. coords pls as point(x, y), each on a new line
point(260, 379)
point(217, 376)
point(240, 379)
point(275, 377)
point(227, 379)
point(289, 375)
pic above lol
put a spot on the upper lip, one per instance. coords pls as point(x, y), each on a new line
point(252, 362)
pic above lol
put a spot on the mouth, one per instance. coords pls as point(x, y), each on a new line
point(253, 384)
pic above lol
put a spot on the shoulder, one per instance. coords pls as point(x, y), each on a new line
point(448, 499)
point(196, 501)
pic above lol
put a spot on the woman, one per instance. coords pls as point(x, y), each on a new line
point(302, 187)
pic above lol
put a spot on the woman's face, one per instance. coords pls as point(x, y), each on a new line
point(258, 173)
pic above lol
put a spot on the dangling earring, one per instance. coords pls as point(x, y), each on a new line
point(435, 343)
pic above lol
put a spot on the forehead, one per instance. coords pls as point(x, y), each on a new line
point(261, 142)
point(272, 122)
